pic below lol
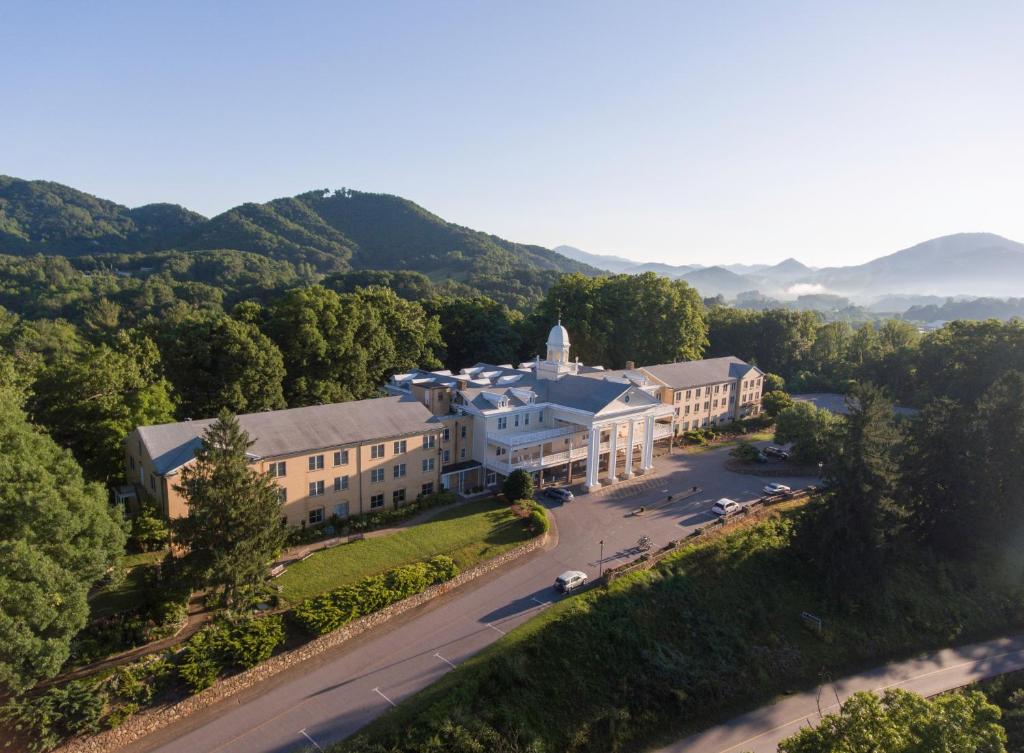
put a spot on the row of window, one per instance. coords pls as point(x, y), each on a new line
point(525, 417)
point(697, 392)
point(341, 457)
point(398, 496)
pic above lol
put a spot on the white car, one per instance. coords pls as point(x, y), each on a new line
point(570, 580)
point(776, 489)
point(725, 507)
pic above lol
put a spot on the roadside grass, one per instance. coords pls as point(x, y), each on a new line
point(128, 593)
point(711, 631)
point(757, 436)
point(468, 533)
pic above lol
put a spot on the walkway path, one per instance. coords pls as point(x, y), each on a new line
point(761, 731)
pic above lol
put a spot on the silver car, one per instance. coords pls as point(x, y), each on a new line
point(570, 580)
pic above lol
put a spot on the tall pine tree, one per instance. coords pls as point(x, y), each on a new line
point(233, 530)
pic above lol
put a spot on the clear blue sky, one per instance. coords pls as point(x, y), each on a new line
point(679, 132)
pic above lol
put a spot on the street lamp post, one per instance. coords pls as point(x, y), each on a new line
point(600, 561)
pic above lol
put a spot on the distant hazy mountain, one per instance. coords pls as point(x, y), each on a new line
point(712, 281)
point(331, 230)
point(962, 264)
point(607, 262)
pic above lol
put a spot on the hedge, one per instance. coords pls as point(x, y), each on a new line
point(229, 644)
point(327, 612)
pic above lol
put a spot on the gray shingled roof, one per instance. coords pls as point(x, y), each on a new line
point(284, 432)
point(696, 373)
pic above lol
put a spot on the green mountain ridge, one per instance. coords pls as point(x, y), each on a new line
point(333, 231)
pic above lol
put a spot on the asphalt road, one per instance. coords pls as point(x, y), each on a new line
point(329, 698)
point(761, 731)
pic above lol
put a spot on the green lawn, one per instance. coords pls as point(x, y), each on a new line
point(713, 630)
point(469, 533)
point(124, 595)
point(756, 436)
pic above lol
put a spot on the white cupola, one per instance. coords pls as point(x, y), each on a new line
point(558, 344)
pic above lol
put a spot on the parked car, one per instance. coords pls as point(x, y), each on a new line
point(570, 580)
point(556, 492)
point(725, 507)
point(776, 489)
point(777, 452)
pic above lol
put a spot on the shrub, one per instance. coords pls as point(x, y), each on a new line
point(57, 714)
point(518, 485)
point(149, 531)
point(238, 643)
point(328, 612)
point(538, 520)
point(745, 452)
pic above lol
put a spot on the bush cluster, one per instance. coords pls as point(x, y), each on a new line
point(538, 517)
point(60, 712)
point(327, 612)
point(238, 643)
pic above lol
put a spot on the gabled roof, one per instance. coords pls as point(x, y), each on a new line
point(296, 430)
point(696, 373)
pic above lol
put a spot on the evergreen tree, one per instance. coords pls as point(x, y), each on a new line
point(233, 530)
point(58, 536)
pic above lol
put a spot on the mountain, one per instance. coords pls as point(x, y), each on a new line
point(332, 231)
point(961, 264)
point(606, 262)
point(38, 216)
point(786, 269)
point(712, 281)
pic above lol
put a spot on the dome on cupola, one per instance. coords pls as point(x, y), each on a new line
point(558, 337)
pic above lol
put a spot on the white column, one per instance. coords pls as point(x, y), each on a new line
point(629, 449)
point(593, 458)
point(613, 451)
point(648, 456)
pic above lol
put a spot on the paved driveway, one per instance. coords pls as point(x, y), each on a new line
point(334, 695)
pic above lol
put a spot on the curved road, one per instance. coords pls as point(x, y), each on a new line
point(329, 698)
point(761, 731)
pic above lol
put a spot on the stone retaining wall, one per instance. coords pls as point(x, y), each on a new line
point(151, 720)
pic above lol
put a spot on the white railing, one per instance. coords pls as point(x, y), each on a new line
point(519, 439)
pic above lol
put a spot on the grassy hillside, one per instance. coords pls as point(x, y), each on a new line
point(712, 630)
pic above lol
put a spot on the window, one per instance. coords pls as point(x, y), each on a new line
point(377, 451)
point(398, 496)
point(341, 510)
point(376, 501)
point(462, 431)
point(316, 515)
point(428, 464)
point(377, 475)
point(427, 488)
point(447, 456)
point(316, 462)
point(282, 495)
point(340, 483)
point(341, 457)
point(716, 389)
point(462, 453)
point(502, 423)
point(447, 434)
point(316, 488)
point(429, 441)
point(540, 417)
point(707, 405)
point(526, 420)
point(152, 482)
point(279, 469)
point(400, 446)
point(399, 470)
point(517, 420)
point(492, 478)
point(688, 394)
point(687, 411)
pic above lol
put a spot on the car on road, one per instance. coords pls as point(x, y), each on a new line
point(776, 489)
point(777, 452)
point(570, 580)
point(557, 492)
point(725, 507)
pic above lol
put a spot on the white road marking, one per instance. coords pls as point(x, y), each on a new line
point(438, 655)
point(303, 733)
point(493, 627)
point(377, 691)
point(542, 603)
